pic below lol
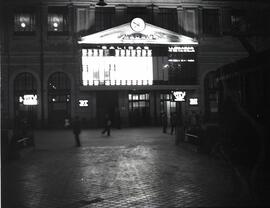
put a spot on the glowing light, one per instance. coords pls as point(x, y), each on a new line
point(179, 96)
point(174, 60)
point(28, 99)
point(193, 101)
point(23, 25)
point(83, 103)
point(125, 68)
point(187, 49)
point(55, 24)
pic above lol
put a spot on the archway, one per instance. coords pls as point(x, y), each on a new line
point(59, 95)
point(25, 98)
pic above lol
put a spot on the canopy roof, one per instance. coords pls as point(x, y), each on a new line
point(151, 35)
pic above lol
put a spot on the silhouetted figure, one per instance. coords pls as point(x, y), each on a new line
point(173, 122)
point(107, 126)
point(164, 122)
point(67, 123)
point(76, 126)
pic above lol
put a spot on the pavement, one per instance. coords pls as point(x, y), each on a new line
point(134, 167)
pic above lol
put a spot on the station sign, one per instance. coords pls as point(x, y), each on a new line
point(83, 103)
point(193, 101)
point(179, 96)
point(28, 99)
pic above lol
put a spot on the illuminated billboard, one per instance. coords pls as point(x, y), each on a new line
point(28, 99)
point(117, 66)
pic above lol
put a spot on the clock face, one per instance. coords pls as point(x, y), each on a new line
point(137, 24)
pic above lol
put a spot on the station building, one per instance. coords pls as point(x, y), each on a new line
point(128, 59)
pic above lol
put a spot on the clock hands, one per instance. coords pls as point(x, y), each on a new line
point(137, 24)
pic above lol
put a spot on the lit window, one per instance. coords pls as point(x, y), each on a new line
point(24, 22)
point(57, 20)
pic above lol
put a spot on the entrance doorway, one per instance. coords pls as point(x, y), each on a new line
point(59, 93)
point(107, 103)
point(25, 86)
point(139, 109)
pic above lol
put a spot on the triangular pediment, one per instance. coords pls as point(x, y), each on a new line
point(124, 34)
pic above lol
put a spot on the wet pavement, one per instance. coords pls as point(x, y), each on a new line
point(132, 168)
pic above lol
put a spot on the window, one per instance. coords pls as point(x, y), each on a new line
point(211, 22)
point(238, 22)
point(25, 82)
point(57, 20)
point(25, 91)
point(168, 19)
point(104, 18)
point(24, 23)
point(141, 12)
point(59, 81)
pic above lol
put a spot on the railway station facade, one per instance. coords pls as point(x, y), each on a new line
point(62, 59)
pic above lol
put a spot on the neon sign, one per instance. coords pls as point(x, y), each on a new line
point(179, 96)
point(28, 99)
point(83, 103)
point(193, 101)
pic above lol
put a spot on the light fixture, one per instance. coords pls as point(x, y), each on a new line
point(101, 3)
point(23, 25)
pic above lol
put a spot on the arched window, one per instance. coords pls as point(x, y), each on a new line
point(59, 90)
point(25, 98)
point(25, 82)
point(58, 81)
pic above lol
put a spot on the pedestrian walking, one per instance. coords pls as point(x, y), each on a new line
point(107, 126)
point(173, 122)
point(76, 126)
point(164, 122)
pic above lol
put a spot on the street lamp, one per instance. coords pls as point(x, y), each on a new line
point(101, 3)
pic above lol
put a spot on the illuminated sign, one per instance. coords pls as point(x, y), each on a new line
point(193, 101)
point(83, 103)
point(187, 49)
point(28, 99)
point(179, 96)
point(124, 66)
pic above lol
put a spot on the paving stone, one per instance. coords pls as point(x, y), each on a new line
point(132, 168)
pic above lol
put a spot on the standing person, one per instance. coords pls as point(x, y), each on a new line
point(173, 122)
point(164, 122)
point(108, 124)
point(76, 125)
point(67, 124)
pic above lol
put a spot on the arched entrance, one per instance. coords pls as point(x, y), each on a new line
point(59, 89)
point(26, 98)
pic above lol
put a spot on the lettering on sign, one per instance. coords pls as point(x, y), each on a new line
point(179, 96)
point(28, 99)
point(83, 103)
point(193, 101)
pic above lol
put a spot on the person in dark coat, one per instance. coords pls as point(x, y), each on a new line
point(76, 126)
point(107, 126)
point(164, 122)
point(173, 122)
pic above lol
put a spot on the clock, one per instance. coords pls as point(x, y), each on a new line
point(137, 24)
